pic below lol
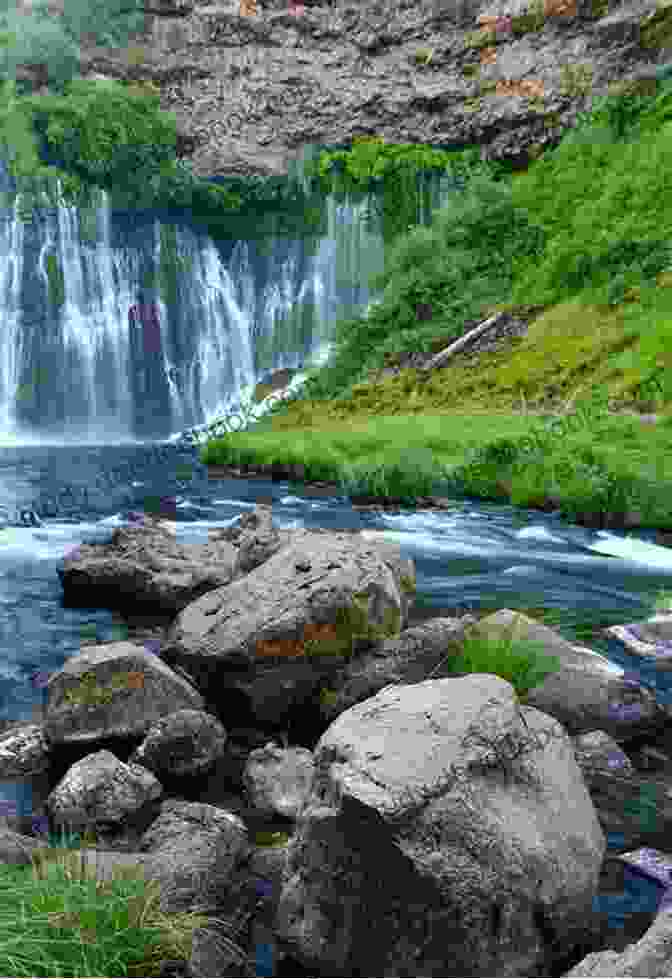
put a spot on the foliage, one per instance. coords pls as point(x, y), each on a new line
point(519, 661)
point(456, 267)
point(392, 171)
point(103, 133)
point(72, 924)
point(114, 135)
point(107, 23)
point(28, 39)
point(594, 282)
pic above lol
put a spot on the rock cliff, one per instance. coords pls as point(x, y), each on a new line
point(250, 90)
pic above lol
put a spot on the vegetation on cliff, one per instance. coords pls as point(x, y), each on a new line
point(584, 237)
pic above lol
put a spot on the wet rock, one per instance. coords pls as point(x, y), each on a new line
point(144, 565)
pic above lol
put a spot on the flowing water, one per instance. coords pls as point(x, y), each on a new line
point(84, 444)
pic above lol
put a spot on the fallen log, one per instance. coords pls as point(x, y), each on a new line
point(444, 355)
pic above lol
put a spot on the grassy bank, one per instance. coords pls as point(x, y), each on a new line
point(581, 244)
point(56, 919)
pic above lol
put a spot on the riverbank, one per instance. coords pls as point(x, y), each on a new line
point(564, 476)
point(548, 417)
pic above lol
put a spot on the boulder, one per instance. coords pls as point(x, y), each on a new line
point(195, 851)
point(651, 639)
point(113, 690)
point(294, 619)
point(17, 850)
point(461, 796)
point(278, 781)
point(650, 956)
point(264, 616)
point(188, 742)
point(144, 565)
point(24, 750)
point(595, 751)
point(102, 789)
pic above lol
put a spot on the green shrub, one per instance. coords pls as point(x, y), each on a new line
point(520, 662)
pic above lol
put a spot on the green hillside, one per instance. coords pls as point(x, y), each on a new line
point(581, 243)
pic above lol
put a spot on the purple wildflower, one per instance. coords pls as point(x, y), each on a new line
point(264, 887)
point(39, 680)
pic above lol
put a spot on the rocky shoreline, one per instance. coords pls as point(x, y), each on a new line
point(281, 689)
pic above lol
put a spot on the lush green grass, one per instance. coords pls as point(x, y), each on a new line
point(56, 919)
point(582, 241)
point(520, 661)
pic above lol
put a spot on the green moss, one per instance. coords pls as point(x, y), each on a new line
point(473, 104)
point(576, 79)
point(408, 584)
point(328, 697)
point(529, 22)
point(656, 29)
point(600, 8)
point(89, 692)
point(480, 39)
point(268, 838)
point(352, 622)
point(423, 56)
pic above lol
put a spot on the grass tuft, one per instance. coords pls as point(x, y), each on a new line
point(69, 923)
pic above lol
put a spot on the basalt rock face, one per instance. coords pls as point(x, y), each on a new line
point(249, 91)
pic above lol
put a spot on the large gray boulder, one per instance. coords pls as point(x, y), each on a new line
point(113, 690)
point(439, 840)
point(269, 613)
point(145, 566)
point(195, 852)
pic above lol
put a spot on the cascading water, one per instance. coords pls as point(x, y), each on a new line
point(100, 343)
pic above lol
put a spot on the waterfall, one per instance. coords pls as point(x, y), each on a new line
point(116, 330)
